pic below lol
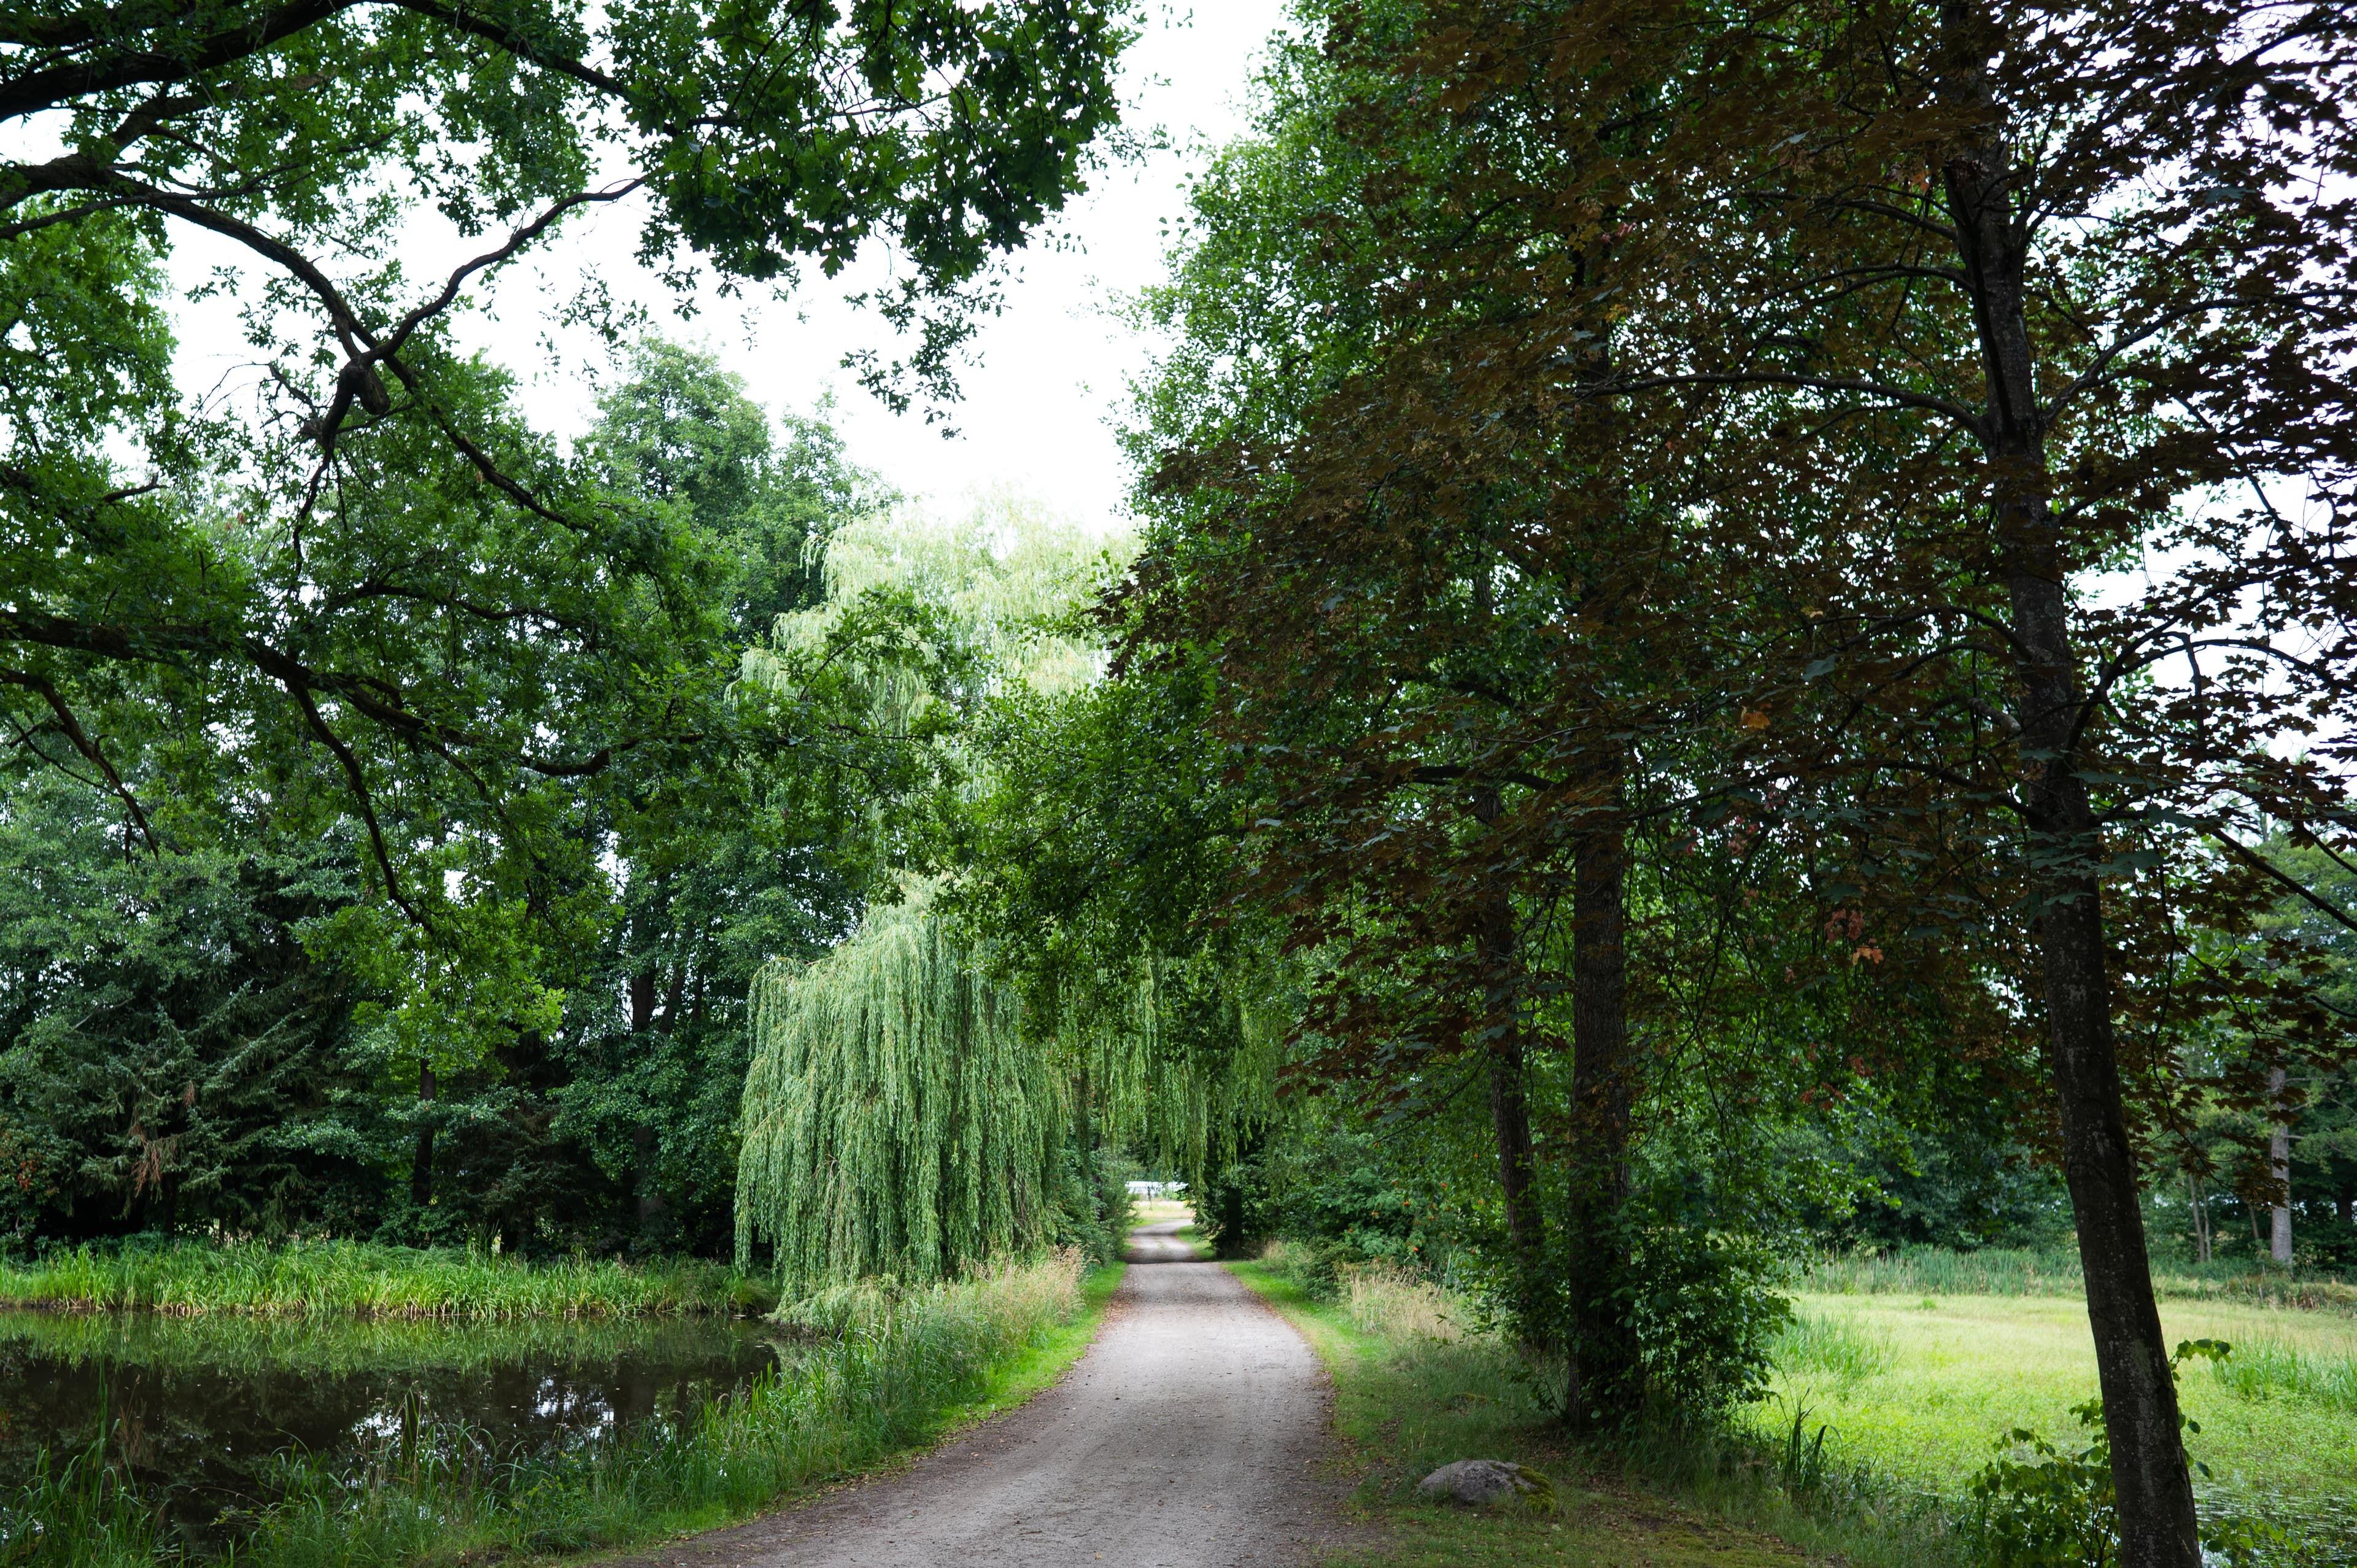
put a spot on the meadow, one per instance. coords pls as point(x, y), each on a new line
point(1916, 1390)
point(1912, 1391)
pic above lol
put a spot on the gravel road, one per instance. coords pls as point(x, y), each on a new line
point(1186, 1437)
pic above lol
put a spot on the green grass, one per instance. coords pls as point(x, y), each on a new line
point(2005, 1271)
point(1945, 1374)
point(319, 1278)
point(906, 1371)
point(1414, 1390)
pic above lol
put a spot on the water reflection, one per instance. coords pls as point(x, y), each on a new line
point(203, 1412)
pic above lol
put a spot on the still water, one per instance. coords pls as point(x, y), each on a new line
point(202, 1413)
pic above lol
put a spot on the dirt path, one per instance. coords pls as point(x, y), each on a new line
point(1184, 1438)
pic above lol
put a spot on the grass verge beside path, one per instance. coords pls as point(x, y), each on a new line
point(900, 1374)
point(360, 1279)
point(1414, 1391)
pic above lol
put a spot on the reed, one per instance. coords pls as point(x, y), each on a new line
point(2269, 1369)
point(360, 1279)
point(1832, 1345)
point(903, 1366)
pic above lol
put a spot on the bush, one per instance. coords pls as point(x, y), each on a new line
point(1705, 1310)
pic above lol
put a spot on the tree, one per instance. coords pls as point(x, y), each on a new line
point(2011, 296)
point(239, 959)
point(374, 555)
point(735, 857)
point(1449, 653)
point(170, 1054)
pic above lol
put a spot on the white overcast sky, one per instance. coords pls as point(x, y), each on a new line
point(1046, 377)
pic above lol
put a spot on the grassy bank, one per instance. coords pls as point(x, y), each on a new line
point(884, 1374)
point(1413, 1390)
point(1915, 1387)
point(242, 1346)
point(316, 1278)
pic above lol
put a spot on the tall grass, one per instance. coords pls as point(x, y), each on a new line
point(897, 1371)
point(1836, 1346)
point(319, 1278)
point(2269, 1369)
point(76, 1512)
point(2006, 1271)
point(245, 1346)
point(1391, 1303)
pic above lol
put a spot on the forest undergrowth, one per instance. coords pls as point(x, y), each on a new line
point(887, 1370)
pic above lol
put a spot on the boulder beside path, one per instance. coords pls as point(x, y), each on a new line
point(1481, 1483)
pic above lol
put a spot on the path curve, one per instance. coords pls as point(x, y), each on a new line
point(1186, 1436)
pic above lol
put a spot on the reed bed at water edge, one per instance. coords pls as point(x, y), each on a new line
point(359, 1279)
point(903, 1364)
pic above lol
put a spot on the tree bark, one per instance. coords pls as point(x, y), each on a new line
point(1601, 1372)
point(421, 1164)
point(2279, 1167)
point(2153, 1484)
point(1510, 1114)
point(1497, 949)
point(642, 1000)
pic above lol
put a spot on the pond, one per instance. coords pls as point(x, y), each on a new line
point(204, 1413)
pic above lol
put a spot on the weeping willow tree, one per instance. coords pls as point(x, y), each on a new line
point(902, 1116)
point(1171, 1061)
point(898, 1119)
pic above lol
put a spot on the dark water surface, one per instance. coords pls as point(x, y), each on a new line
point(204, 1415)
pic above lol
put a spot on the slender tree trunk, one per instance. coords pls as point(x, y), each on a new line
point(2154, 1490)
point(2201, 1219)
point(1602, 1374)
point(1497, 948)
point(421, 1164)
point(1510, 1114)
point(2279, 1166)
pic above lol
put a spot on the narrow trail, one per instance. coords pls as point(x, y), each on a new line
point(1185, 1438)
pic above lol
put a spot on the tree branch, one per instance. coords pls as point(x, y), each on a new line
point(71, 729)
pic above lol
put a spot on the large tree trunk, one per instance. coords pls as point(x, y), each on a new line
point(1602, 1372)
point(2154, 1490)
